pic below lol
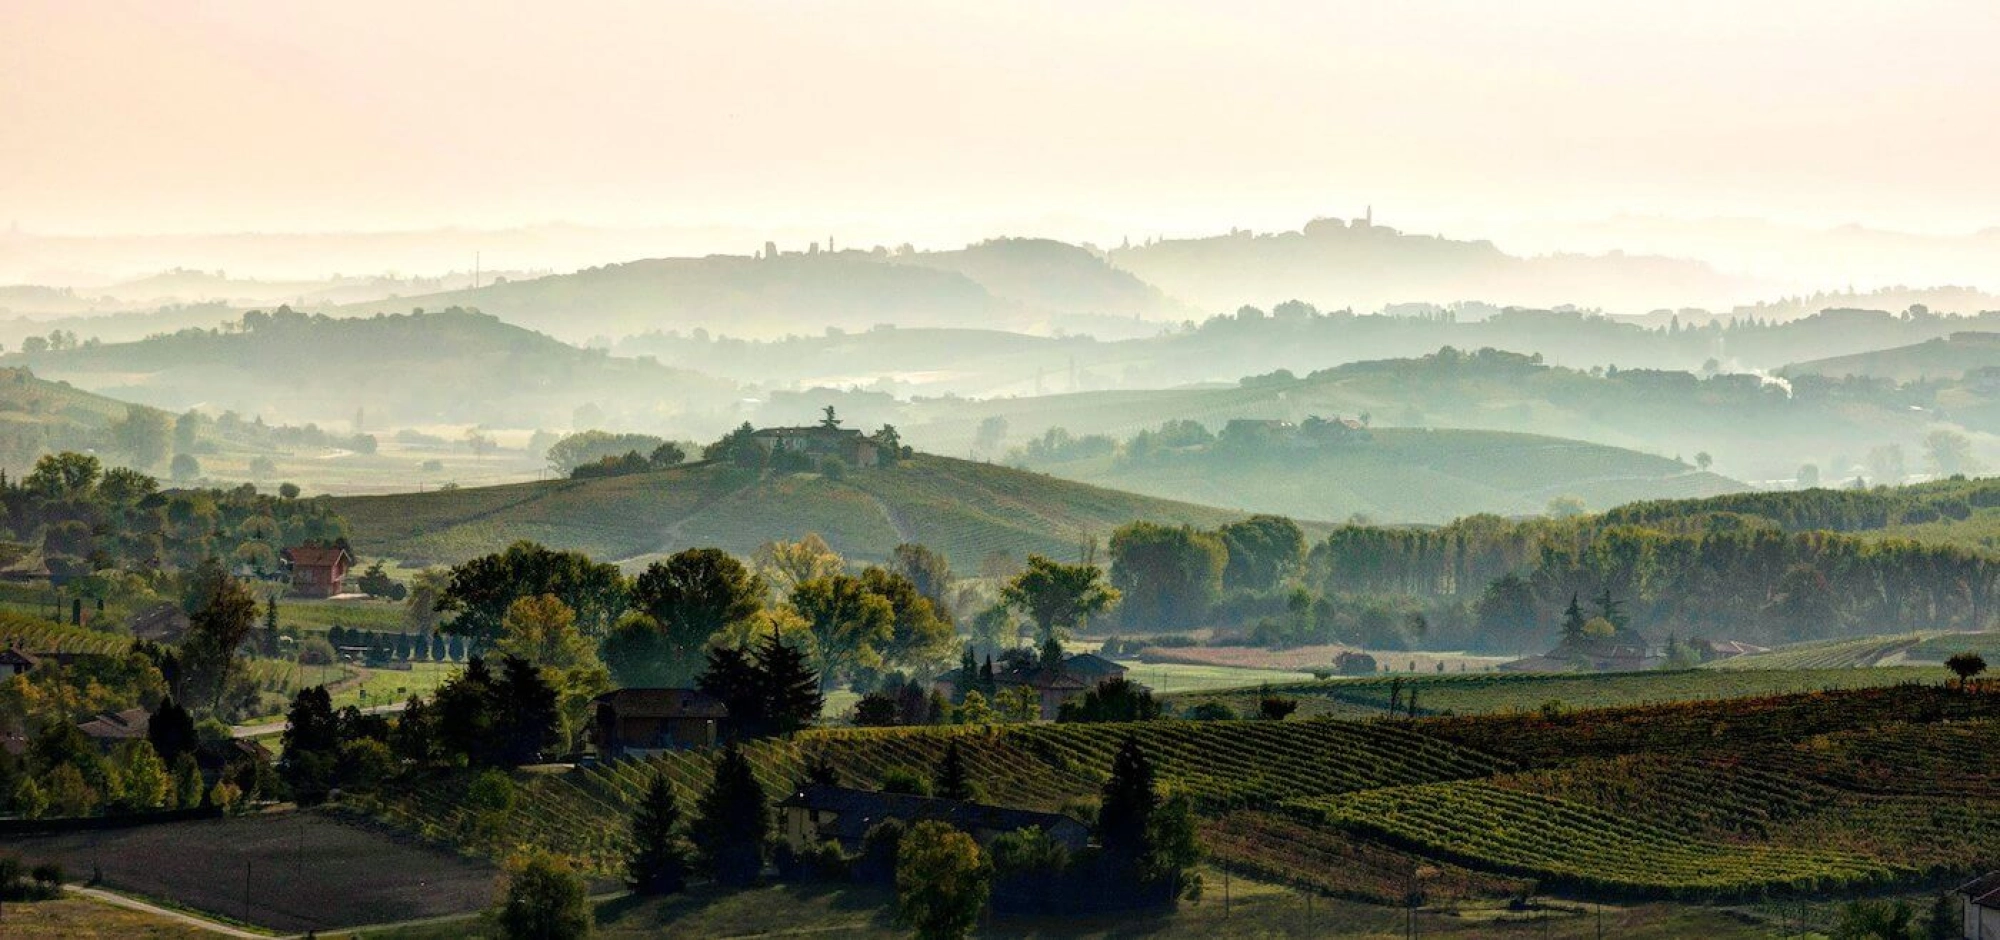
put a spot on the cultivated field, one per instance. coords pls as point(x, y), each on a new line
point(293, 872)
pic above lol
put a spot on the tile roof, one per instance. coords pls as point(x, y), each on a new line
point(662, 703)
point(130, 723)
point(314, 556)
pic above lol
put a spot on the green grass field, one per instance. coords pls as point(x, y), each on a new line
point(967, 510)
point(1234, 907)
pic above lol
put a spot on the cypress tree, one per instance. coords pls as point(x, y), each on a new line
point(659, 860)
point(171, 730)
point(439, 653)
point(733, 826)
point(1124, 820)
point(952, 781)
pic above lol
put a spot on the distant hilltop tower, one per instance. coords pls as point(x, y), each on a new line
point(1368, 216)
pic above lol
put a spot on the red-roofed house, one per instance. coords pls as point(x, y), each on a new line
point(317, 571)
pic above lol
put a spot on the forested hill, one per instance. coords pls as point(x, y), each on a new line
point(1945, 358)
point(1395, 475)
point(1922, 509)
point(966, 510)
point(444, 367)
point(1020, 284)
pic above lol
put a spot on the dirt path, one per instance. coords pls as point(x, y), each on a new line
point(119, 900)
point(904, 533)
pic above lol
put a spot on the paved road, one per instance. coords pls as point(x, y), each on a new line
point(277, 727)
point(179, 917)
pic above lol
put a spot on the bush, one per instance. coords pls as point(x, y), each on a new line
point(545, 900)
point(905, 780)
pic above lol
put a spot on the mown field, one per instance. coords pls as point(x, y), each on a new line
point(967, 510)
point(1803, 793)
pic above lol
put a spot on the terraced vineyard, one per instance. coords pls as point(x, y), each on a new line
point(1817, 792)
point(1494, 692)
point(1477, 822)
point(1327, 860)
point(46, 636)
point(1042, 766)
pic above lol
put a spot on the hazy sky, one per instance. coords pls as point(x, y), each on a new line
point(947, 120)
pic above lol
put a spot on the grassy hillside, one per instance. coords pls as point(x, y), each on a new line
point(1405, 475)
point(967, 510)
point(38, 416)
point(447, 367)
point(1949, 357)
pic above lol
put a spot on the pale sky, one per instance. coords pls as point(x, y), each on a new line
point(945, 121)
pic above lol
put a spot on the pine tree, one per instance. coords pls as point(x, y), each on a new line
point(734, 679)
point(1573, 620)
point(271, 625)
point(733, 824)
point(986, 683)
point(952, 781)
point(659, 860)
point(791, 687)
point(525, 717)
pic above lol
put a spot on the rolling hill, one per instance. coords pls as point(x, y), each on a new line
point(38, 416)
point(1018, 283)
point(447, 367)
point(1403, 475)
point(1945, 358)
point(967, 510)
point(1755, 430)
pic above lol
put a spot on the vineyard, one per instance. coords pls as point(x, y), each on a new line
point(1831, 654)
point(1049, 767)
point(1804, 793)
point(46, 636)
point(1498, 692)
point(1479, 823)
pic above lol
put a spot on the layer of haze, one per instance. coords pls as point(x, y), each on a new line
point(941, 123)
